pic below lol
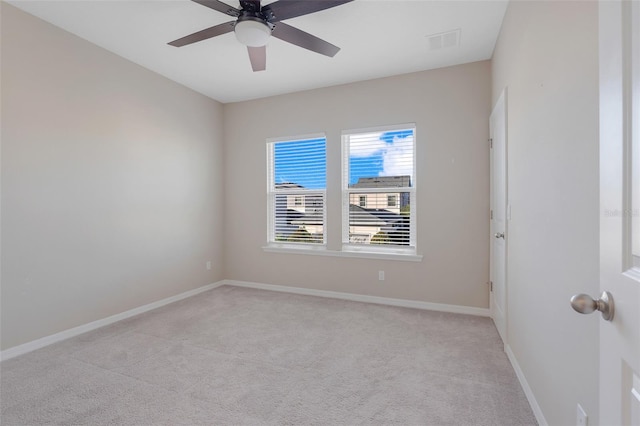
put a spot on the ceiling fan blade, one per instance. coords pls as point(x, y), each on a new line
point(207, 33)
point(303, 39)
point(287, 9)
point(220, 7)
point(258, 57)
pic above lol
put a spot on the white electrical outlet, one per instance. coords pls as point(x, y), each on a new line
point(581, 417)
point(209, 265)
point(381, 275)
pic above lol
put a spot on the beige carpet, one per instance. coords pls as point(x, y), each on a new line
point(236, 356)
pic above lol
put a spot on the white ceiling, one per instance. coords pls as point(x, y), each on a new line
point(378, 38)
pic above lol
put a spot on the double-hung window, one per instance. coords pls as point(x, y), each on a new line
point(296, 190)
point(378, 189)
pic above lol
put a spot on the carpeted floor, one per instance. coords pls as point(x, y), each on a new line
point(237, 356)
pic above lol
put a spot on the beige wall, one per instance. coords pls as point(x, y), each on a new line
point(111, 183)
point(547, 56)
point(450, 107)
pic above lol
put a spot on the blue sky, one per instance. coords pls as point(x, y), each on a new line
point(372, 154)
point(310, 173)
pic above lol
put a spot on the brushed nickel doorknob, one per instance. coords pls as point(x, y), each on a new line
point(585, 304)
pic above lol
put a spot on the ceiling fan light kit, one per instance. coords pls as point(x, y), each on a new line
point(255, 24)
point(252, 32)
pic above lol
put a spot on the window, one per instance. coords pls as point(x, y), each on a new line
point(379, 169)
point(296, 191)
point(378, 194)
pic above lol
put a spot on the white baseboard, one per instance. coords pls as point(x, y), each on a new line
point(75, 331)
point(468, 310)
point(537, 411)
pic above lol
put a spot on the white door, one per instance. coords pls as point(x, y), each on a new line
point(620, 210)
point(498, 228)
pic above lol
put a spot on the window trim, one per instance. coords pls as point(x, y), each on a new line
point(318, 251)
point(396, 250)
point(272, 192)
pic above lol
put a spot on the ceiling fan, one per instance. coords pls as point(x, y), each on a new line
point(254, 25)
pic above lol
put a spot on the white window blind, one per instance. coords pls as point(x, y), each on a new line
point(297, 181)
point(378, 189)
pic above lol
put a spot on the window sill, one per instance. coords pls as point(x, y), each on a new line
point(353, 254)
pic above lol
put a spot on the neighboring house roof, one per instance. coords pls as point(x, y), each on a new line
point(288, 185)
point(383, 182)
point(313, 218)
point(360, 216)
point(387, 216)
point(288, 214)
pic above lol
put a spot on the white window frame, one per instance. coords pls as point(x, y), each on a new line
point(273, 192)
point(347, 246)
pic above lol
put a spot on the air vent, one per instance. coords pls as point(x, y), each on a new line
point(444, 40)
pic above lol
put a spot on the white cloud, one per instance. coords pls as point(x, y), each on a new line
point(397, 158)
point(366, 144)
